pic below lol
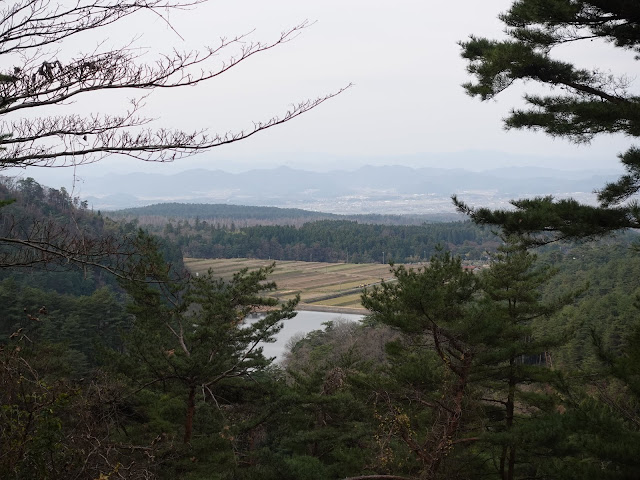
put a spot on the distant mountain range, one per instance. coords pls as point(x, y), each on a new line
point(369, 189)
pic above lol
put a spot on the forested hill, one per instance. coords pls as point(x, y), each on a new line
point(244, 215)
point(228, 231)
point(43, 229)
point(329, 241)
point(50, 219)
point(608, 310)
point(220, 213)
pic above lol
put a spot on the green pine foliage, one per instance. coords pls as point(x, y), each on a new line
point(580, 104)
point(189, 333)
point(513, 362)
point(601, 394)
point(607, 310)
point(80, 325)
point(434, 307)
point(471, 378)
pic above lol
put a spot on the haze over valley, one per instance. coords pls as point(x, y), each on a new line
point(368, 189)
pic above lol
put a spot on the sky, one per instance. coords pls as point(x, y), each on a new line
point(406, 105)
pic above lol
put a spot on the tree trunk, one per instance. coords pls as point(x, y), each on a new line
point(508, 458)
point(439, 447)
point(191, 410)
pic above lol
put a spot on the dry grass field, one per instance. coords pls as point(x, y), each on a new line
point(322, 286)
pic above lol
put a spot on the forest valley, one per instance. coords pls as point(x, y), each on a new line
point(115, 363)
point(129, 368)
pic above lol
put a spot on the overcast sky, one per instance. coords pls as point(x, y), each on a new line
point(406, 105)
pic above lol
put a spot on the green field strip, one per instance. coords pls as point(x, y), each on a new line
point(373, 270)
point(352, 300)
point(314, 275)
point(343, 286)
point(298, 280)
point(338, 287)
point(340, 267)
point(286, 298)
point(360, 269)
point(320, 282)
point(287, 271)
point(223, 267)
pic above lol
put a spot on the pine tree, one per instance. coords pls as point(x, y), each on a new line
point(513, 364)
point(472, 384)
point(591, 102)
point(434, 307)
point(191, 332)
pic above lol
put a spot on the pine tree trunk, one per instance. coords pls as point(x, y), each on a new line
point(512, 463)
point(191, 410)
point(439, 447)
point(508, 457)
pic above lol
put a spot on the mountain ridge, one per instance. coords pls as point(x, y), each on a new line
point(364, 190)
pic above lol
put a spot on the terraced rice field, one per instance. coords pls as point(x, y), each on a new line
point(321, 286)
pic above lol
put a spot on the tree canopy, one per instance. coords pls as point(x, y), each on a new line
point(580, 104)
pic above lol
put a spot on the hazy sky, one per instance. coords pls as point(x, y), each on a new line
point(403, 60)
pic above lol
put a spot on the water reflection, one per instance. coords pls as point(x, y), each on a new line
point(304, 322)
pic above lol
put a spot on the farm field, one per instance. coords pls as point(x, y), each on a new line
point(332, 287)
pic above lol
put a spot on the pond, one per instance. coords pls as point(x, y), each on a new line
point(304, 322)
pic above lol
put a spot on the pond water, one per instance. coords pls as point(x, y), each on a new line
point(304, 322)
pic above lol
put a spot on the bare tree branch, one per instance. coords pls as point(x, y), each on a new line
point(73, 139)
point(34, 41)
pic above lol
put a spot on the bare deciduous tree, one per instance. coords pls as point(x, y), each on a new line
point(38, 75)
point(33, 35)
